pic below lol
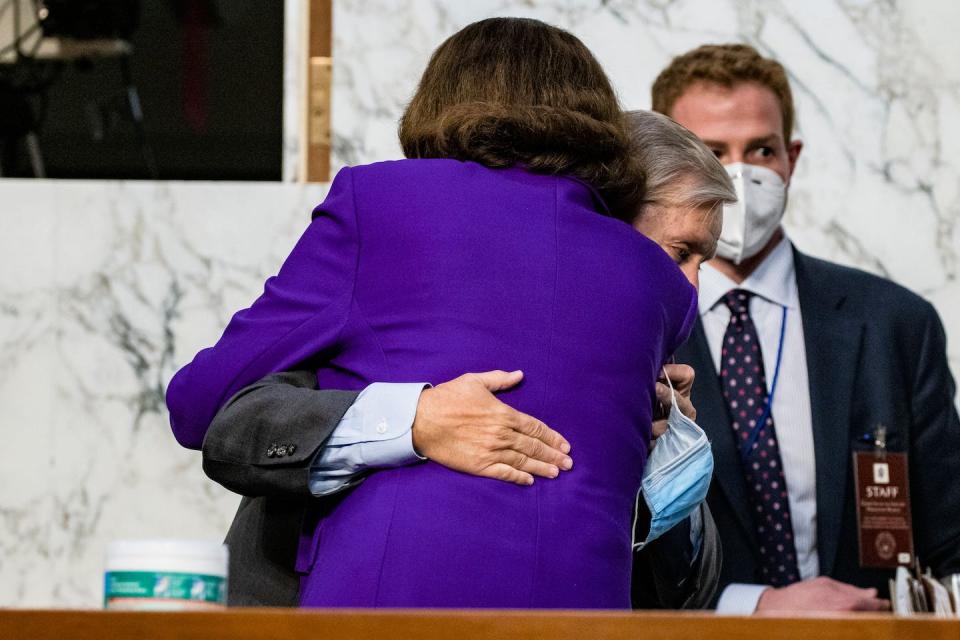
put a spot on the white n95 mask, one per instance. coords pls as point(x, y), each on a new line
point(751, 221)
point(677, 475)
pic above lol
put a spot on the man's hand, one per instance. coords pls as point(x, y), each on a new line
point(681, 376)
point(820, 594)
point(461, 425)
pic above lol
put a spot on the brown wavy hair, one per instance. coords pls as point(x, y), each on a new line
point(514, 91)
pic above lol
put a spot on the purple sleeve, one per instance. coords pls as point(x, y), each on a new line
point(300, 314)
point(680, 311)
point(689, 319)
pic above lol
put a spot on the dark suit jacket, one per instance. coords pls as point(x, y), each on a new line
point(876, 355)
point(286, 409)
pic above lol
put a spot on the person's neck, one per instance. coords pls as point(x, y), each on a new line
point(740, 272)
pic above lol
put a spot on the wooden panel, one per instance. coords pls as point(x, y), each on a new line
point(319, 76)
point(318, 119)
point(263, 624)
point(321, 28)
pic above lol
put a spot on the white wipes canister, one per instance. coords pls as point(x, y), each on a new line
point(176, 575)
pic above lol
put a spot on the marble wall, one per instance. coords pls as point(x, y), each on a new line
point(876, 85)
point(107, 287)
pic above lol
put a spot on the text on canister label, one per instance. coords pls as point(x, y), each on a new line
point(164, 585)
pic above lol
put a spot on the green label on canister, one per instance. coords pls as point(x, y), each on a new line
point(163, 585)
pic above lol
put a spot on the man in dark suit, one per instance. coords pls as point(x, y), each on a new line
point(836, 351)
point(264, 444)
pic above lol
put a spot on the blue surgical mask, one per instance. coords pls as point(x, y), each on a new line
point(677, 475)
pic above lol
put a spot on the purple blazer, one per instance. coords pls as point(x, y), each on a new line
point(421, 270)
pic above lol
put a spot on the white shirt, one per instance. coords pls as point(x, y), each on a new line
point(774, 284)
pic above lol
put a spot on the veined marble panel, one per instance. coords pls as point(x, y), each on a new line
point(876, 84)
point(107, 289)
point(294, 87)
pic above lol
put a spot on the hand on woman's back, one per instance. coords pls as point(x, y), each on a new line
point(461, 425)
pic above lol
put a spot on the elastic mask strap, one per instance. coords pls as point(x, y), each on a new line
point(673, 392)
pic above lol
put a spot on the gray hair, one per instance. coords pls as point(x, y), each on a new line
point(679, 168)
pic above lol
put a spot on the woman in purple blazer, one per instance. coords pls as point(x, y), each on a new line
point(501, 240)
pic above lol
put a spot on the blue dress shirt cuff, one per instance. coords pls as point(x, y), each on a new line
point(375, 432)
point(740, 599)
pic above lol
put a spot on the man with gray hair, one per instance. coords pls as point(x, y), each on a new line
point(685, 189)
point(283, 443)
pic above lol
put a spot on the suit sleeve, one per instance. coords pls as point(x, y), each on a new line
point(666, 577)
point(284, 409)
point(299, 316)
point(935, 448)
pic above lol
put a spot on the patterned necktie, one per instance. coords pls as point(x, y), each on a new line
point(745, 389)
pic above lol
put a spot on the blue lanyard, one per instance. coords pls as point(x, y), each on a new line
point(758, 426)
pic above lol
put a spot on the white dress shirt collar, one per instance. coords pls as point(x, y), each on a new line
point(774, 280)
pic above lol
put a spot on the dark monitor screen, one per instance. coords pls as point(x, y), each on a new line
point(197, 95)
point(88, 19)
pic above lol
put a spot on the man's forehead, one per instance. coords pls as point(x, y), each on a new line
point(699, 224)
point(746, 111)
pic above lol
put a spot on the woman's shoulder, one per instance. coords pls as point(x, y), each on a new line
point(413, 168)
point(440, 168)
point(588, 212)
point(440, 177)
